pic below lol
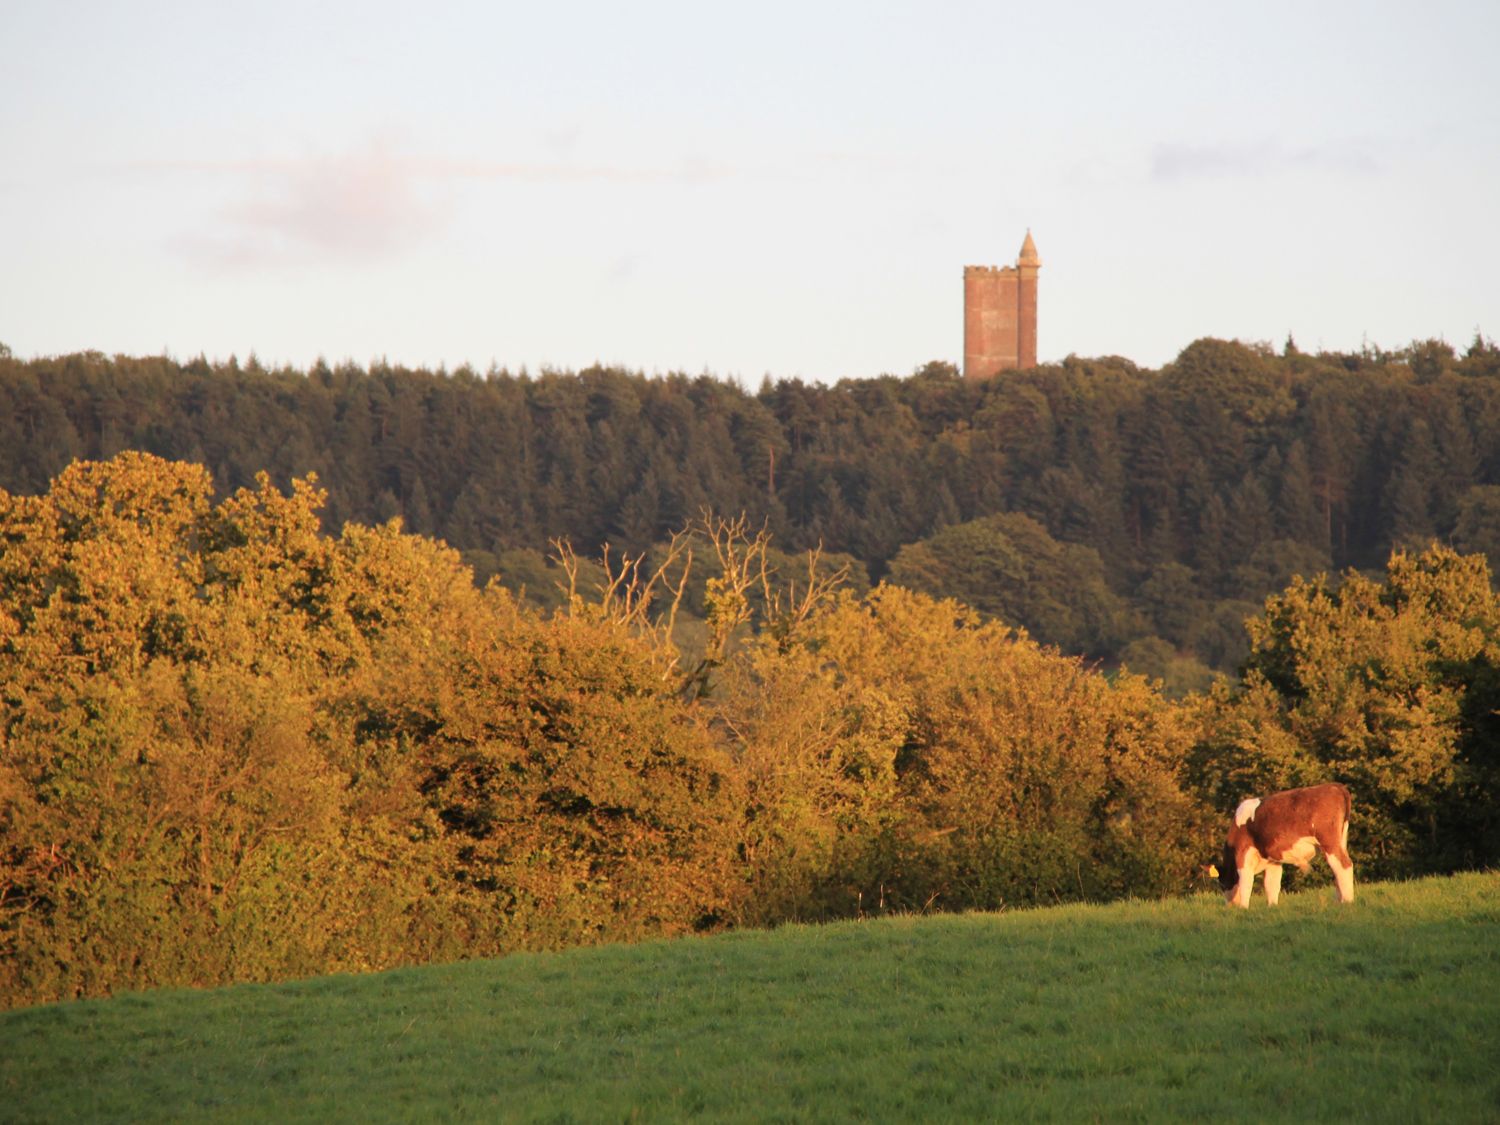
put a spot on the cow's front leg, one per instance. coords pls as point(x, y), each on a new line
point(1244, 887)
point(1273, 883)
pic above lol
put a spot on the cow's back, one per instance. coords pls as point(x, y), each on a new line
point(1284, 818)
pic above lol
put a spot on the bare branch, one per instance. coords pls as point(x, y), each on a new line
point(629, 590)
point(786, 615)
point(743, 565)
point(568, 561)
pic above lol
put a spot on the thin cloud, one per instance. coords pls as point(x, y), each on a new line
point(365, 206)
point(1185, 162)
point(688, 171)
point(623, 269)
point(344, 209)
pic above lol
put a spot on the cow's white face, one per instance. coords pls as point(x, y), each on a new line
point(1227, 874)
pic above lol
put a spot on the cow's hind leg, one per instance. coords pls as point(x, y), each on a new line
point(1273, 883)
point(1336, 852)
point(1343, 874)
point(1335, 849)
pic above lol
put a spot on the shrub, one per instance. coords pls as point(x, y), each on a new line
point(232, 748)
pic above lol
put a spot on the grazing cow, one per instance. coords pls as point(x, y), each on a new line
point(1287, 827)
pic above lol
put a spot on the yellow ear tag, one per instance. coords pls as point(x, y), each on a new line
point(1213, 872)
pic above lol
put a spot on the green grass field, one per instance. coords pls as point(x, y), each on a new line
point(1387, 1010)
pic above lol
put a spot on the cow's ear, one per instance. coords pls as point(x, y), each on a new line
point(1213, 871)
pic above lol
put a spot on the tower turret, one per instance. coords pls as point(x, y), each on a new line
point(1027, 266)
point(1029, 256)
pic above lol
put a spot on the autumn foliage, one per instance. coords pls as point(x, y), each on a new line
point(236, 749)
point(233, 747)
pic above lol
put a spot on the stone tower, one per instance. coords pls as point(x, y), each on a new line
point(1000, 315)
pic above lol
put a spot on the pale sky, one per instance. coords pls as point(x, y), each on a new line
point(783, 189)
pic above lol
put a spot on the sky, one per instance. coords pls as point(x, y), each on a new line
point(781, 189)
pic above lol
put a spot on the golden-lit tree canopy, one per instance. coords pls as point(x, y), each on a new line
point(234, 747)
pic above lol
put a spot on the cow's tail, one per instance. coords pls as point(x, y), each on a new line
point(1348, 810)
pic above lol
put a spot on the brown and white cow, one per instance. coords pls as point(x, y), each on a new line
point(1287, 827)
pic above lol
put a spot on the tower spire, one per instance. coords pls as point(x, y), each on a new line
point(1029, 256)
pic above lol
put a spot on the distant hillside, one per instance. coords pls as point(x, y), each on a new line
point(1385, 1010)
point(1198, 488)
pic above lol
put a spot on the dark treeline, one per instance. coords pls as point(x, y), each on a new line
point(1164, 504)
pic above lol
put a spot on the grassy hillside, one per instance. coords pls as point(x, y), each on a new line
point(1386, 1010)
